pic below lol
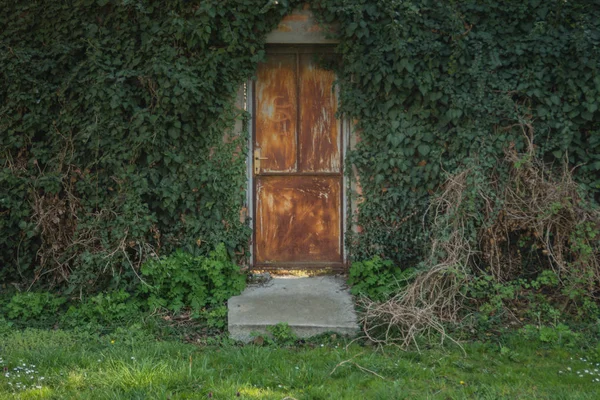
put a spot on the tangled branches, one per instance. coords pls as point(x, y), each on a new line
point(544, 211)
point(434, 296)
point(482, 224)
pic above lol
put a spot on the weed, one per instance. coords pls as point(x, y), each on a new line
point(282, 334)
point(377, 278)
point(557, 336)
point(183, 280)
point(105, 308)
point(33, 305)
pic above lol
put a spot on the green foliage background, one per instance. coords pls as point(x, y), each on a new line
point(116, 121)
point(435, 85)
point(117, 117)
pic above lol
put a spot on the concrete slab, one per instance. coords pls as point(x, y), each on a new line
point(310, 306)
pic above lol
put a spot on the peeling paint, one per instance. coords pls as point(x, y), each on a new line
point(299, 219)
point(276, 109)
point(298, 187)
point(320, 130)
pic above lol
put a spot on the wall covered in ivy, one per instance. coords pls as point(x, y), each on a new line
point(436, 85)
point(117, 117)
point(116, 121)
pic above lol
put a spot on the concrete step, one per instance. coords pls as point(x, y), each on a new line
point(310, 306)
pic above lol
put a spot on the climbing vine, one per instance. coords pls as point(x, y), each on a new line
point(117, 119)
point(433, 84)
point(117, 133)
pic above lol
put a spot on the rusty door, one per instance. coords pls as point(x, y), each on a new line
point(297, 164)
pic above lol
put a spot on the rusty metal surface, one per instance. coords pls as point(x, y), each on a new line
point(276, 113)
point(298, 219)
point(297, 165)
point(319, 138)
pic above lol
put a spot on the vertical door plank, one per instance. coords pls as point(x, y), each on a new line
point(320, 130)
point(276, 113)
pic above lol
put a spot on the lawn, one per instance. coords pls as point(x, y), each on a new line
point(131, 364)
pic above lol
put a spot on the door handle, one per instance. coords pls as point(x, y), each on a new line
point(257, 159)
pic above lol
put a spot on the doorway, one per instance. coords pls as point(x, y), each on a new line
point(297, 163)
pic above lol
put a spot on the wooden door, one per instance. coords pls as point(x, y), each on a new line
point(297, 164)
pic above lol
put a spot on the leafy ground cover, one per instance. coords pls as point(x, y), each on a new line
point(131, 364)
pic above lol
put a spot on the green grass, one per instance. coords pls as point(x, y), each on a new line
point(86, 366)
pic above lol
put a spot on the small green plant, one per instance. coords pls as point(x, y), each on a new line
point(529, 299)
point(282, 334)
point(134, 333)
point(509, 353)
point(33, 305)
point(584, 239)
point(589, 311)
point(5, 326)
point(546, 278)
point(215, 317)
point(558, 335)
point(182, 280)
point(377, 278)
point(104, 308)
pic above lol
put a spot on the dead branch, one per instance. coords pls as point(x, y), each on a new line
point(535, 202)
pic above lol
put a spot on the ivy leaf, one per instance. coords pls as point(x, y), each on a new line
point(424, 149)
point(588, 116)
point(351, 28)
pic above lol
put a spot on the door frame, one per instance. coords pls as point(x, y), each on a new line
point(345, 127)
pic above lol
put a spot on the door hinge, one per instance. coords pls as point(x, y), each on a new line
point(257, 159)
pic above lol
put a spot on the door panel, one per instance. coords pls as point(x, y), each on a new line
point(320, 130)
point(298, 219)
point(276, 113)
point(298, 183)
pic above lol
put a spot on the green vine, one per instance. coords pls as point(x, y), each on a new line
point(434, 84)
point(117, 118)
point(117, 133)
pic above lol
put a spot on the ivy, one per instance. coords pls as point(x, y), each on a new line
point(117, 133)
point(435, 84)
point(117, 119)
